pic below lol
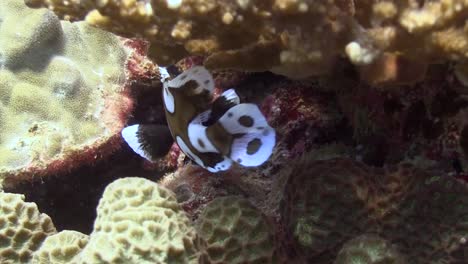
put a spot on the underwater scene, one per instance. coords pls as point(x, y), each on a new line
point(234, 131)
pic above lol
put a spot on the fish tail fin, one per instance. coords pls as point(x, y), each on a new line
point(148, 141)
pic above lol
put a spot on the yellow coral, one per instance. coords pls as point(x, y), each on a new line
point(22, 228)
point(60, 248)
point(140, 222)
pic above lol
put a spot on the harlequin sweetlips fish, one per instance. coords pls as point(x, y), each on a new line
point(214, 134)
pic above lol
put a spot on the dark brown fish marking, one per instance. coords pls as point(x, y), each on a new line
point(187, 106)
point(220, 138)
point(253, 146)
point(201, 143)
point(246, 121)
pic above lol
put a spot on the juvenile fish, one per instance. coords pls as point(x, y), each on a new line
point(214, 134)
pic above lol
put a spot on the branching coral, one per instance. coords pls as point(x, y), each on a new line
point(243, 34)
point(388, 40)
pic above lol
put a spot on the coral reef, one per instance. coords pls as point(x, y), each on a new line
point(368, 249)
point(194, 188)
point(140, 222)
point(60, 248)
point(370, 164)
point(22, 228)
point(235, 232)
point(62, 93)
point(389, 41)
point(328, 202)
point(421, 123)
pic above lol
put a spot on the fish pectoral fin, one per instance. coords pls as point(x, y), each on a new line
point(164, 73)
point(253, 149)
point(148, 141)
point(224, 102)
point(229, 97)
point(201, 118)
point(253, 139)
point(227, 100)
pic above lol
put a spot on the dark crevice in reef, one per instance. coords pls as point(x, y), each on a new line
point(71, 199)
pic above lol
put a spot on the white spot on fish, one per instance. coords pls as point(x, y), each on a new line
point(199, 139)
point(221, 166)
point(197, 134)
point(188, 152)
point(169, 102)
point(255, 146)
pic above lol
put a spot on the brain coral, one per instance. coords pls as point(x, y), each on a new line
point(22, 229)
point(235, 232)
point(369, 249)
point(140, 222)
point(60, 248)
point(60, 91)
point(386, 39)
point(328, 202)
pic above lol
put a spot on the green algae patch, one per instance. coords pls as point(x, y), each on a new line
point(58, 83)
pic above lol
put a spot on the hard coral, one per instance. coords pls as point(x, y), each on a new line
point(416, 33)
point(22, 229)
point(387, 40)
point(369, 249)
point(243, 34)
point(140, 222)
point(194, 187)
point(235, 232)
point(63, 93)
point(301, 116)
point(423, 121)
point(328, 202)
point(60, 248)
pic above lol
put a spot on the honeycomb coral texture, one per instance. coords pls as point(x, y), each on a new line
point(22, 229)
point(235, 232)
point(369, 249)
point(60, 248)
point(140, 222)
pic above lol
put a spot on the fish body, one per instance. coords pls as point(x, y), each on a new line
point(214, 134)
